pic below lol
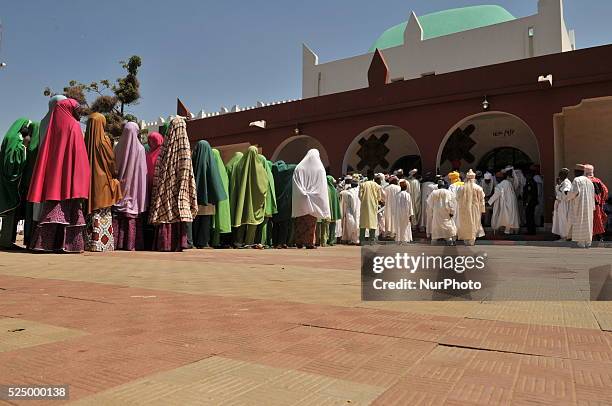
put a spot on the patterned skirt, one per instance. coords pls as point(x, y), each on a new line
point(170, 237)
point(128, 233)
point(99, 231)
point(304, 230)
point(61, 227)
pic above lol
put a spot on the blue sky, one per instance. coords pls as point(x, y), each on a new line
point(209, 53)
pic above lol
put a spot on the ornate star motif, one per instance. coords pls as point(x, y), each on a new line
point(459, 145)
point(373, 152)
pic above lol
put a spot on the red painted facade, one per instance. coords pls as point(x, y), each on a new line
point(427, 108)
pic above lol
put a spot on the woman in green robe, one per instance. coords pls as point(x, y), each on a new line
point(334, 208)
point(222, 223)
point(283, 175)
point(263, 235)
point(13, 156)
point(31, 155)
point(210, 191)
point(249, 187)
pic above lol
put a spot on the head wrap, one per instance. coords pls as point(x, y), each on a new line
point(488, 176)
point(104, 189)
point(470, 175)
point(207, 177)
point(62, 168)
point(155, 141)
point(173, 198)
point(131, 171)
point(12, 165)
point(249, 181)
point(589, 170)
point(454, 177)
point(310, 193)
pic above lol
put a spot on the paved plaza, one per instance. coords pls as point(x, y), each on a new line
point(287, 327)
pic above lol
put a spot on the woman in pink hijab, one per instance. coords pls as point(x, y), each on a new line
point(132, 173)
point(155, 141)
point(60, 181)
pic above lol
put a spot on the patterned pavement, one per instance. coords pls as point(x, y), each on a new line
point(249, 327)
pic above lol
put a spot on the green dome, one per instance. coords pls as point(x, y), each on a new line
point(446, 22)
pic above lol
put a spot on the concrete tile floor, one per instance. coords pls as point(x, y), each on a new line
point(288, 327)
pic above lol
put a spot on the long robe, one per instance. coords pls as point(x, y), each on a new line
point(250, 186)
point(599, 216)
point(582, 204)
point(561, 214)
point(13, 160)
point(222, 221)
point(470, 207)
point(370, 193)
point(350, 207)
point(441, 205)
point(415, 195)
point(391, 225)
point(104, 189)
point(403, 209)
point(539, 209)
point(426, 189)
point(505, 207)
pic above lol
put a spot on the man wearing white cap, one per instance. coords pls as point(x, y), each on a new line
point(349, 203)
point(505, 205)
point(561, 213)
point(403, 214)
point(582, 204)
point(470, 206)
point(415, 195)
point(390, 194)
point(488, 183)
point(441, 209)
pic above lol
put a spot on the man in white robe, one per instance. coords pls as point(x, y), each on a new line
point(505, 206)
point(349, 203)
point(561, 213)
point(441, 209)
point(518, 181)
point(539, 209)
point(415, 195)
point(488, 183)
point(426, 188)
point(390, 220)
point(470, 207)
point(582, 204)
point(403, 214)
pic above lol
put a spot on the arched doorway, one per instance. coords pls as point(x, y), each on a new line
point(293, 149)
point(382, 148)
point(488, 141)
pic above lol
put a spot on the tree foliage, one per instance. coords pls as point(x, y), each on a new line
point(111, 98)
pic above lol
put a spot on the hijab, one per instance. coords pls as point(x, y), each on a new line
point(250, 181)
point(223, 221)
point(62, 168)
point(283, 175)
point(155, 142)
point(334, 202)
point(310, 195)
point(208, 180)
point(12, 161)
point(131, 171)
point(174, 197)
point(44, 123)
point(104, 189)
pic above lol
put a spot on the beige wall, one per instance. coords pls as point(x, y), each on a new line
point(479, 47)
point(583, 134)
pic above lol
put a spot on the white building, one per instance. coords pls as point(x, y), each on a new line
point(445, 41)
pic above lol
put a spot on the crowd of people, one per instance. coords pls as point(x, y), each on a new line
point(77, 192)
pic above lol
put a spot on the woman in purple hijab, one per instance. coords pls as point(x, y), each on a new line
point(132, 173)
